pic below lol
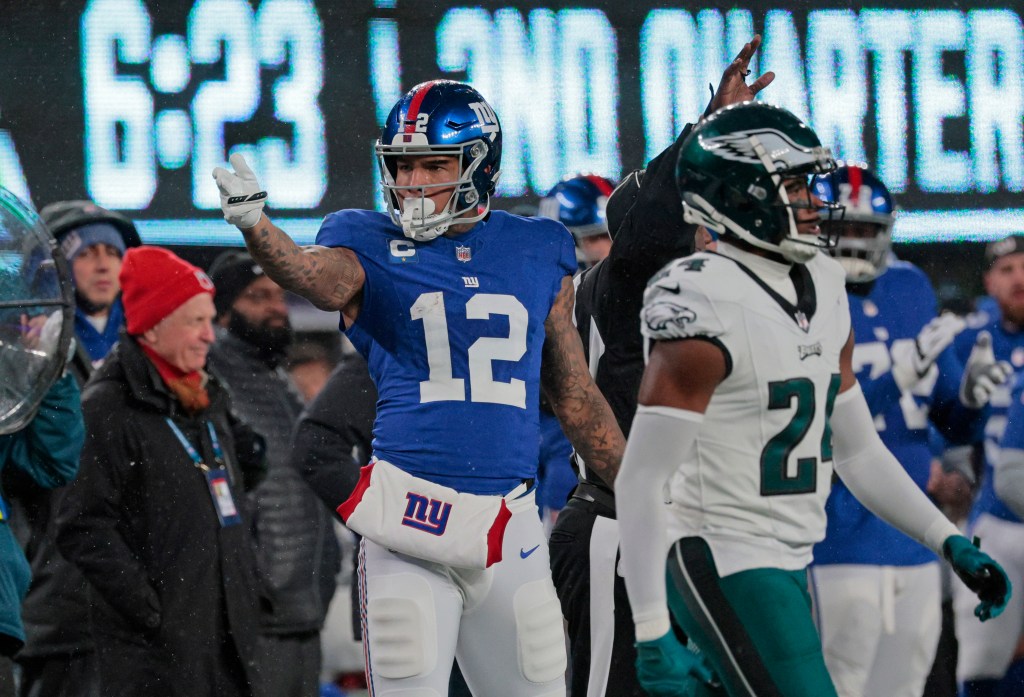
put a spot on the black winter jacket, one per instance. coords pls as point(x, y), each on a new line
point(297, 551)
point(334, 439)
point(175, 607)
point(334, 436)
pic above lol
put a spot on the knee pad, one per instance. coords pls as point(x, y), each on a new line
point(539, 634)
point(401, 627)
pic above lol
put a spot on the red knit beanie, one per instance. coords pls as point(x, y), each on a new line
point(154, 283)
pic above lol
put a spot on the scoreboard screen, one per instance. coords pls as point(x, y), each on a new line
point(133, 103)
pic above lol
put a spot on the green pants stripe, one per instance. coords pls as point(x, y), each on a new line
point(755, 626)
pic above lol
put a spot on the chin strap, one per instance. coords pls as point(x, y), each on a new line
point(798, 251)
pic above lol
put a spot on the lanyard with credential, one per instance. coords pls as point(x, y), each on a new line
point(216, 479)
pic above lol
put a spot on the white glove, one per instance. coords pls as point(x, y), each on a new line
point(241, 198)
point(912, 362)
point(982, 374)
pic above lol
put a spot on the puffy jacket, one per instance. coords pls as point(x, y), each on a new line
point(298, 553)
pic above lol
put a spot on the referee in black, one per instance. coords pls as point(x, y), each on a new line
point(645, 216)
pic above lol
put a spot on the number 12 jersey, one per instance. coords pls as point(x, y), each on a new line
point(452, 330)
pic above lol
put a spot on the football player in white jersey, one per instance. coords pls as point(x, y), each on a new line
point(748, 402)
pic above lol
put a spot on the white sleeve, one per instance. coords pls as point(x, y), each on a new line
point(658, 439)
point(877, 479)
point(1008, 479)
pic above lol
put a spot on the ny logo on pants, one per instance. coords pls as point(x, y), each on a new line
point(428, 515)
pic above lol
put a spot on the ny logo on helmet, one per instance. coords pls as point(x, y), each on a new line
point(426, 514)
point(863, 202)
point(487, 118)
point(743, 146)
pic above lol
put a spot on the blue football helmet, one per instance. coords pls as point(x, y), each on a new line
point(865, 231)
point(579, 203)
point(441, 118)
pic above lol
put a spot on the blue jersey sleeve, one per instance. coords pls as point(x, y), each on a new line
point(880, 393)
point(552, 240)
point(378, 245)
point(564, 249)
point(1013, 436)
point(340, 229)
point(964, 341)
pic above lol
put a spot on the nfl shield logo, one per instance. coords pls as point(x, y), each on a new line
point(801, 320)
point(463, 253)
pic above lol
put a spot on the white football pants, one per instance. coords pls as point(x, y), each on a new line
point(503, 623)
point(986, 649)
point(879, 626)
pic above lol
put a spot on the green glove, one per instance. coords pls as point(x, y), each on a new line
point(979, 572)
point(666, 668)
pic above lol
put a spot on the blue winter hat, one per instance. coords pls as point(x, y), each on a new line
point(81, 238)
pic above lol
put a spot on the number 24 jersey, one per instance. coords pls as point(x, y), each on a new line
point(452, 330)
point(754, 484)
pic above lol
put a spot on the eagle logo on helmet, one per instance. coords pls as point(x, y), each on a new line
point(741, 146)
point(661, 316)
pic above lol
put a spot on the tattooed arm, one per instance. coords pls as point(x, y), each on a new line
point(586, 418)
point(329, 277)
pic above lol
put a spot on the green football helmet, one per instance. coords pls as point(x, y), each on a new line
point(732, 171)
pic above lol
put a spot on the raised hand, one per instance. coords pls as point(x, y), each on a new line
point(241, 198)
point(734, 88)
point(983, 373)
point(911, 362)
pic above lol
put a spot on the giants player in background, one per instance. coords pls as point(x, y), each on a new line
point(464, 315)
point(577, 202)
point(877, 592)
point(986, 651)
point(580, 203)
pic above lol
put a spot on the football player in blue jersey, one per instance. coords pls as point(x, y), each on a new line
point(466, 316)
point(877, 592)
point(579, 203)
point(986, 651)
point(1008, 482)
